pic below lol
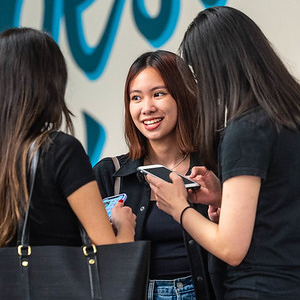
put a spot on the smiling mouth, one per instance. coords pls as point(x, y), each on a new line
point(151, 122)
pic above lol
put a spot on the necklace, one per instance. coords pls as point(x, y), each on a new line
point(176, 165)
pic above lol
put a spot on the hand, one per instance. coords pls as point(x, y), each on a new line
point(214, 213)
point(210, 191)
point(124, 221)
point(171, 197)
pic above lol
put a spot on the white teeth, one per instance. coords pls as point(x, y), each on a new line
point(149, 122)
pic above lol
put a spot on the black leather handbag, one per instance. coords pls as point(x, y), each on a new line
point(108, 272)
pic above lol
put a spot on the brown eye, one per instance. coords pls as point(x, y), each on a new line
point(159, 94)
point(135, 98)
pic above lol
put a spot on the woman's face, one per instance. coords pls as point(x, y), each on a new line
point(152, 108)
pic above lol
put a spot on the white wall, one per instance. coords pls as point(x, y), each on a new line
point(103, 98)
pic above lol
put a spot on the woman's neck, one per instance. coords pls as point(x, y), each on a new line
point(171, 157)
point(167, 155)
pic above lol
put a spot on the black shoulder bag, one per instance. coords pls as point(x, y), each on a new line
point(108, 272)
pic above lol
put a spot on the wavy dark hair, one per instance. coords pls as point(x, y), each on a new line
point(181, 84)
point(236, 68)
point(33, 78)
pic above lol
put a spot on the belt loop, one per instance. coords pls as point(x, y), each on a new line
point(151, 289)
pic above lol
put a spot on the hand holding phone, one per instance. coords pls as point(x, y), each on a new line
point(163, 172)
point(111, 201)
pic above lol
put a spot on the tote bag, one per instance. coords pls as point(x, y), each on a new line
point(107, 272)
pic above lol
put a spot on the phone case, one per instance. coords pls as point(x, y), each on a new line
point(111, 201)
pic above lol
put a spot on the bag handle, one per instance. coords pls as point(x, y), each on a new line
point(89, 248)
point(117, 179)
point(25, 234)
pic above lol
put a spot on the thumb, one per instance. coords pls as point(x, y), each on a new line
point(175, 177)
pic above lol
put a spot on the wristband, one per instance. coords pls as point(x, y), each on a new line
point(181, 215)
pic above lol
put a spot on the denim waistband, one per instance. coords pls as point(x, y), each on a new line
point(179, 288)
point(171, 282)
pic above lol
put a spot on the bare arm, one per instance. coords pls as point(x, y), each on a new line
point(230, 239)
point(87, 204)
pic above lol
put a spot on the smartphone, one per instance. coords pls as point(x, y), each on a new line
point(111, 201)
point(163, 172)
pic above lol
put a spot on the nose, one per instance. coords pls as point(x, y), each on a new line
point(148, 106)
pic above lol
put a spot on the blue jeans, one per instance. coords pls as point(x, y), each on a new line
point(176, 289)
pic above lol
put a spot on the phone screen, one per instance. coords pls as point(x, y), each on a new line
point(110, 202)
point(163, 173)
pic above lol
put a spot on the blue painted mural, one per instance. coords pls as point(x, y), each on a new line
point(92, 60)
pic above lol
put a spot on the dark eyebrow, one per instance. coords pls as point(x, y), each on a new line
point(153, 89)
point(159, 87)
point(134, 91)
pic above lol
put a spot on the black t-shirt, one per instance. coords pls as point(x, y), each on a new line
point(63, 168)
point(168, 252)
point(253, 146)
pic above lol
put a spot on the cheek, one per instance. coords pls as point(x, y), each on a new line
point(173, 120)
point(133, 110)
point(173, 113)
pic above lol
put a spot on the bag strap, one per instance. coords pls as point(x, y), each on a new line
point(24, 250)
point(89, 250)
point(117, 179)
point(33, 167)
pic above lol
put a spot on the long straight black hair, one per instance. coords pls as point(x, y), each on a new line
point(236, 68)
point(33, 77)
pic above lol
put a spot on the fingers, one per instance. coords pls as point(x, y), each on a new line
point(212, 209)
point(214, 213)
point(120, 203)
point(196, 171)
point(121, 213)
point(153, 180)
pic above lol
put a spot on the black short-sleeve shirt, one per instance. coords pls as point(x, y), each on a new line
point(63, 168)
point(252, 145)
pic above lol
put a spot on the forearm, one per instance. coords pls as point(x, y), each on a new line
point(230, 239)
point(210, 236)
